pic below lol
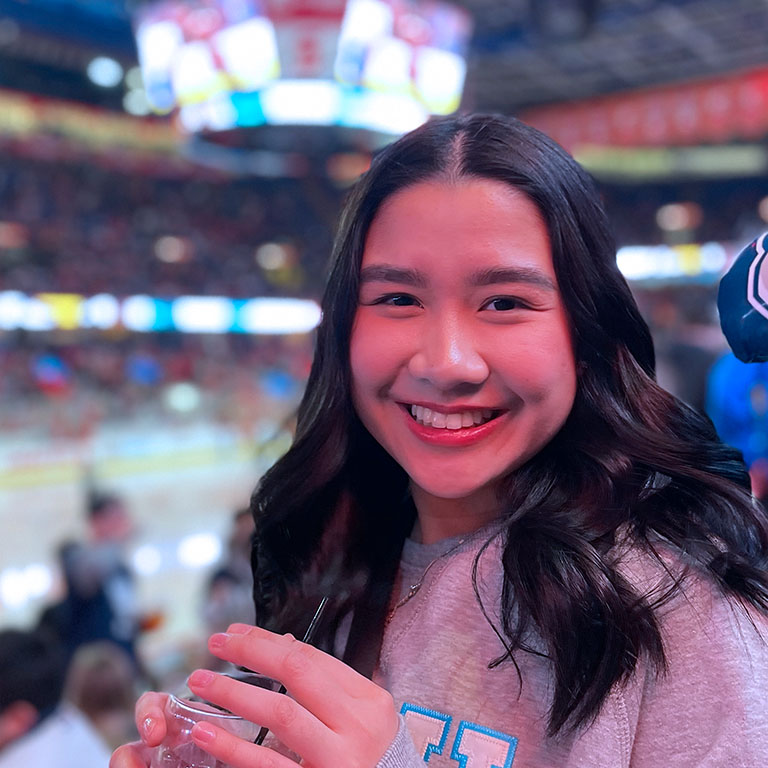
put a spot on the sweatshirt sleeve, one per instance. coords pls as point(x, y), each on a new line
point(706, 709)
point(401, 753)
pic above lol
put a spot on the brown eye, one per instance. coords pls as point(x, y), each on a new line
point(397, 300)
point(504, 304)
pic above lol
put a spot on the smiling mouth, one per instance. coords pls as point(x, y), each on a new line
point(453, 421)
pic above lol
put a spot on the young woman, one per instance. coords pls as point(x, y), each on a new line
point(539, 556)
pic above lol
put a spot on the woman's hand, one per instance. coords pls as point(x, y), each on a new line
point(150, 721)
point(332, 717)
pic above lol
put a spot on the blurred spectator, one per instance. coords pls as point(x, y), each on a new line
point(101, 683)
point(101, 602)
point(55, 619)
point(38, 729)
point(238, 557)
point(737, 403)
point(758, 472)
point(229, 590)
point(687, 338)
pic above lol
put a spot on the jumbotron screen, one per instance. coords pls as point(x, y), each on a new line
point(379, 64)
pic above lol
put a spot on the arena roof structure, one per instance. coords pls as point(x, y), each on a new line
point(523, 53)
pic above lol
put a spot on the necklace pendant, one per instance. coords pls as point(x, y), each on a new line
point(414, 588)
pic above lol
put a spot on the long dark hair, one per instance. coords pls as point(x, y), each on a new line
point(631, 459)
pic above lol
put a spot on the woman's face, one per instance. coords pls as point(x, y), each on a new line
point(461, 354)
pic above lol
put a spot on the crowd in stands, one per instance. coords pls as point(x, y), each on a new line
point(729, 210)
point(86, 225)
point(67, 387)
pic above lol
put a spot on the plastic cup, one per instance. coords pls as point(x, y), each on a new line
point(178, 750)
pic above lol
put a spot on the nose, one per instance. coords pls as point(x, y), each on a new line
point(447, 356)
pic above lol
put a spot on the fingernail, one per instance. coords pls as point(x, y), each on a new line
point(218, 640)
point(238, 629)
point(201, 677)
point(203, 732)
point(146, 727)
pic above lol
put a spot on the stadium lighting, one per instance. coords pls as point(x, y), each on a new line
point(199, 550)
point(203, 314)
point(182, 397)
point(309, 102)
point(20, 585)
point(147, 560)
point(279, 316)
point(101, 311)
point(12, 309)
point(271, 256)
point(139, 313)
point(170, 249)
point(385, 112)
point(135, 103)
point(146, 314)
point(679, 262)
point(134, 79)
point(678, 216)
point(37, 316)
point(104, 72)
point(367, 65)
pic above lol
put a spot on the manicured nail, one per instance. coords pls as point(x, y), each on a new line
point(201, 677)
point(218, 640)
point(147, 726)
point(203, 732)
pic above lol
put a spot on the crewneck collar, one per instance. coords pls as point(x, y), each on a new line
point(416, 554)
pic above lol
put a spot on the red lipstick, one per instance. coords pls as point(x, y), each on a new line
point(451, 437)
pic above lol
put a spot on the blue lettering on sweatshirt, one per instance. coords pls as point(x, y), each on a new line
point(474, 746)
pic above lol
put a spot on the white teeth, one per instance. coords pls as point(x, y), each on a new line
point(437, 420)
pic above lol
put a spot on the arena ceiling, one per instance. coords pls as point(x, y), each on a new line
point(523, 52)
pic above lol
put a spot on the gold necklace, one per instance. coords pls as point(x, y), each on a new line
point(414, 588)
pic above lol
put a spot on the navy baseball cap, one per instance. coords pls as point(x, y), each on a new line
point(742, 301)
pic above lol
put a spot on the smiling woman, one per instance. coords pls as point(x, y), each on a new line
point(460, 315)
point(529, 548)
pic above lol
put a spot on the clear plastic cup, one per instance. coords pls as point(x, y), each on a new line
point(178, 750)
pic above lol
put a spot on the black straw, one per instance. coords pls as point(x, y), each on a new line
point(309, 636)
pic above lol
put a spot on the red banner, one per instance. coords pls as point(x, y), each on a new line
point(717, 110)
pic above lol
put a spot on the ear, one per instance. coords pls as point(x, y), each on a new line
point(15, 720)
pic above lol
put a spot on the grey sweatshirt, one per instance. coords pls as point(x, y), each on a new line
point(710, 710)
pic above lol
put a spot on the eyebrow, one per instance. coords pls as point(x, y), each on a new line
point(529, 275)
point(386, 273)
